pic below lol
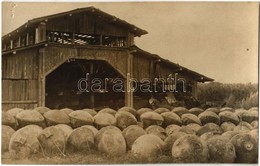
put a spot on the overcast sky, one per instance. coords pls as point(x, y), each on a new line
point(219, 40)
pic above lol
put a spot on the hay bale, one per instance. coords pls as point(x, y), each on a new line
point(81, 139)
point(156, 130)
point(190, 149)
point(208, 135)
point(108, 110)
point(151, 118)
point(54, 117)
point(170, 139)
point(7, 133)
point(14, 111)
point(196, 111)
point(8, 120)
point(66, 130)
point(230, 134)
point(194, 126)
point(171, 129)
point(103, 119)
point(90, 111)
point(243, 126)
point(131, 133)
point(41, 110)
point(239, 112)
point(227, 116)
point(180, 111)
point(253, 109)
point(209, 127)
point(112, 143)
point(102, 130)
point(141, 111)
point(227, 126)
point(190, 118)
point(129, 109)
point(147, 147)
point(24, 141)
point(170, 118)
point(254, 124)
point(221, 150)
point(80, 118)
point(246, 148)
point(125, 119)
point(28, 117)
point(209, 117)
point(254, 133)
point(250, 116)
point(92, 128)
point(213, 109)
point(186, 129)
point(161, 110)
point(66, 110)
point(227, 109)
point(53, 141)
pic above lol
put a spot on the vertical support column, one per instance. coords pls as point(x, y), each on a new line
point(128, 85)
point(36, 35)
point(19, 41)
point(73, 38)
point(41, 78)
point(41, 32)
point(92, 97)
point(195, 90)
point(11, 44)
point(27, 39)
point(101, 39)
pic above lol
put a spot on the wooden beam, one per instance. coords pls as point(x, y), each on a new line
point(37, 35)
point(11, 44)
point(195, 90)
point(27, 39)
point(20, 102)
point(19, 41)
point(92, 97)
point(128, 86)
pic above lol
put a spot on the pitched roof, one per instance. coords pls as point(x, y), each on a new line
point(134, 29)
point(199, 77)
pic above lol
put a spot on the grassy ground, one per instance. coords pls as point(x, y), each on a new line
point(82, 158)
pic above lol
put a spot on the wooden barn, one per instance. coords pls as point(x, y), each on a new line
point(44, 59)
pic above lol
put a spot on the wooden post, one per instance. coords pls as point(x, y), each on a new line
point(41, 78)
point(27, 39)
point(11, 44)
point(195, 90)
point(36, 35)
point(19, 42)
point(92, 97)
point(73, 38)
point(101, 39)
point(128, 86)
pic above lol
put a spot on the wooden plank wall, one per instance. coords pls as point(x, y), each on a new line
point(55, 56)
point(141, 67)
point(20, 79)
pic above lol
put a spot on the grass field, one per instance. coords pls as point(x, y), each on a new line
point(93, 157)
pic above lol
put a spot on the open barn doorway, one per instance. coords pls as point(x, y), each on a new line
point(62, 90)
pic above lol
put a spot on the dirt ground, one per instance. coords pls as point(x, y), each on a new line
point(82, 158)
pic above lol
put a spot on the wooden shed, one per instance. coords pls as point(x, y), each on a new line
point(44, 59)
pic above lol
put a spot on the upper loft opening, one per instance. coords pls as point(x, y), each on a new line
point(85, 26)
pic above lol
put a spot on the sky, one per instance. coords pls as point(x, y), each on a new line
point(216, 39)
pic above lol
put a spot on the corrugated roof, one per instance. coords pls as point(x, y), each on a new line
point(199, 77)
point(134, 29)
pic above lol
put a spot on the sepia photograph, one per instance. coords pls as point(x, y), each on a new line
point(129, 82)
